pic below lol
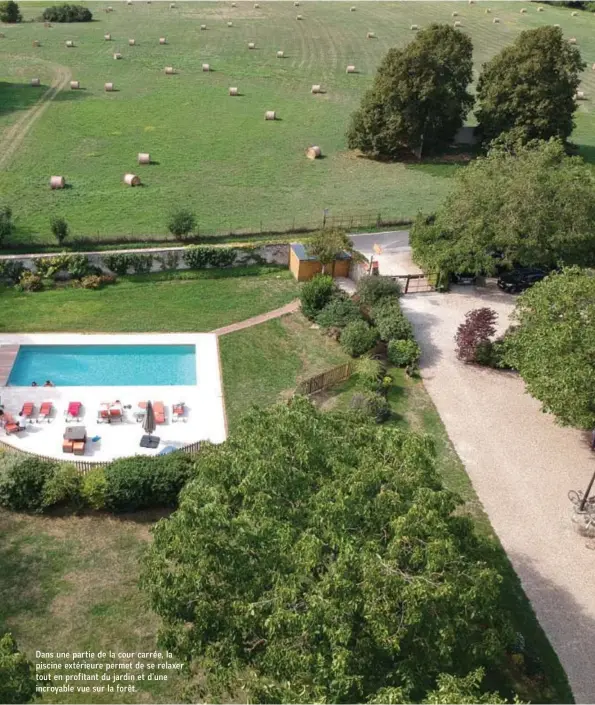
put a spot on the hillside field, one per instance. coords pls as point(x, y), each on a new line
point(214, 153)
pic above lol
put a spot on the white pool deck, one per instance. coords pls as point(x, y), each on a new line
point(205, 412)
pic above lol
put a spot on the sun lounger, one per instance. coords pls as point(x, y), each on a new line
point(67, 446)
point(78, 447)
point(28, 409)
point(10, 425)
point(73, 411)
point(159, 411)
point(178, 412)
point(103, 415)
point(139, 414)
point(45, 411)
point(115, 413)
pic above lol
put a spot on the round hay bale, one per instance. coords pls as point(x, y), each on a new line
point(107, 37)
point(350, 69)
point(299, 17)
point(2, 35)
point(131, 42)
point(129, 2)
point(162, 40)
point(316, 88)
point(472, 2)
point(593, 67)
point(352, 9)
point(414, 27)
point(557, 26)
point(496, 20)
point(69, 43)
point(47, 24)
point(458, 24)
point(35, 82)
point(172, 5)
point(143, 158)
point(540, 9)
point(523, 11)
point(580, 95)
point(251, 45)
point(36, 43)
point(132, 179)
point(203, 26)
point(256, 6)
point(313, 152)
point(117, 55)
point(572, 40)
point(487, 11)
point(574, 14)
point(110, 9)
point(455, 14)
point(270, 115)
point(230, 24)
point(370, 35)
point(108, 87)
point(75, 85)
point(169, 70)
point(234, 4)
point(57, 182)
point(296, 4)
point(233, 90)
point(280, 54)
point(206, 67)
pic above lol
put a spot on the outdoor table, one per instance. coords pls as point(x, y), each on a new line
point(75, 433)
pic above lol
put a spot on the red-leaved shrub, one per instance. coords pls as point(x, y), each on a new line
point(478, 328)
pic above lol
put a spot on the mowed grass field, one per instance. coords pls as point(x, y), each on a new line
point(214, 153)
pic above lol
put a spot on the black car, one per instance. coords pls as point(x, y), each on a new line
point(464, 278)
point(520, 279)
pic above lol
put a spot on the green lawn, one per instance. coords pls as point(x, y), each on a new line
point(214, 153)
point(170, 302)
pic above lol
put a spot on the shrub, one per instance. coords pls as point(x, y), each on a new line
point(316, 294)
point(22, 482)
point(478, 327)
point(29, 282)
point(118, 263)
point(369, 371)
point(67, 13)
point(9, 12)
point(390, 320)
point(372, 289)
point(197, 257)
point(77, 266)
point(169, 260)
point(371, 404)
point(142, 482)
point(6, 224)
point(64, 487)
point(358, 337)
point(93, 488)
point(60, 229)
point(141, 264)
point(339, 311)
point(403, 353)
point(91, 282)
point(181, 223)
point(11, 270)
point(107, 279)
point(491, 354)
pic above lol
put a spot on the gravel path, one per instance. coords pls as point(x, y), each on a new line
point(522, 466)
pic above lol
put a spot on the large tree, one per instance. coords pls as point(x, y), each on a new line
point(9, 12)
point(553, 347)
point(316, 558)
point(535, 206)
point(419, 98)
point(529, 87)
point(17, 675)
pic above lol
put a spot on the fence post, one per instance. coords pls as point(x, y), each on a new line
point(407, 284)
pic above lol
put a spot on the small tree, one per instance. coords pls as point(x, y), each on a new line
point(181, 223)
point(327, 245)
point(17, 675)
point(316, 294)
point(60, 229)
point(358, 337)
point(478, 328)
point(9, 12)
point(6, 224)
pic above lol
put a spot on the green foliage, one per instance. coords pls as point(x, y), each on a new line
point(553, 347)
point(64, 488)
point(462, 689)
point(199, 257)
point(390, 320)
point(94, 488)
point(371, 289)
point(316, 558)
point(338, 312)
point(67, 13)
point(29, 282)
point(17, 674)
point(530, 87)
point(372, 404)
point(22, 482)
point(181, 223)
point(9, 12)
point(358, 337)
point(118, 263)
point(537, 207)
point(169, 260)
point(11, 270)
point(91, 282)
point(369, 370)
point(141, 264)
point(6, 224)
point(59, 228)
point(316, 294)
point(76, 265)
point(403, 353)
point(327, 245)
point(419, 98)
point(141, 482)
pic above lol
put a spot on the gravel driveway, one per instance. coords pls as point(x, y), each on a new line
point(522, 466)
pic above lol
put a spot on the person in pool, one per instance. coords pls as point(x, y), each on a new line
point(34, 384)
point(48, 383)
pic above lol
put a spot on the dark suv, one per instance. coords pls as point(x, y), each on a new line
point(520, 279)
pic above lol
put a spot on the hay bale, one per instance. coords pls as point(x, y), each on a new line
point(129, 2)
point(172, 5)
point(47, 24)
point(251, 45)
point(593, 67)
point(162, 40)
point(487, 11)
point(256, 6)
point(206, 67)
point(131, 42)
point(496, 20)
point(117, 55)
point(370, 35)
point(280, 54)
point(143, 158)
point(458, 24)
point(296, 4)
point(313, 152)
point(414, 27)
point(574, 14)
point(299, 17)
point(2, 35)
point(203, 26)
point(523, 11)
point(472, 2)
point(108, 87)
point(270, 115)
point(350, 69)
point(230, 24)
point(572, 40)
point(234, 4)
point(75, 85)
point(317, 88)
point(580, 95)
point(455, 14)
point(352, 9)
point(131, 179)
point(36, 43)
point(35, 82)
point(57, 182)
point(540, 9)
point(107, 37)
point(169, 70)
point(69, 43)
point(110, 9)
point(557, 26)
point(233, 90)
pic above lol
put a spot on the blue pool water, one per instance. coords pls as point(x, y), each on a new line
point(104, 365)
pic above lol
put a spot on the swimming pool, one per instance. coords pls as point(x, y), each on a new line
point(104, 365)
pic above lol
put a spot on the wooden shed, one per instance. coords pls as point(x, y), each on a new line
point(304, 266)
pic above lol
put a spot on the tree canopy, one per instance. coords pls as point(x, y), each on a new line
point(327, 245)
point(529, 87)
point(536, 207)
point(9, 12)
point(553, 347)
point(17, 677)
point(419, 98)
point(317, 558)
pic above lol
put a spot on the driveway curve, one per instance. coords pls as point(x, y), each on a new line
point(521, 465)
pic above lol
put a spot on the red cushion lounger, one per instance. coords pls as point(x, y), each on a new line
point(159, 410)
point(178, 411)
point(27, 410)
point(74, 409)
point(45, 411)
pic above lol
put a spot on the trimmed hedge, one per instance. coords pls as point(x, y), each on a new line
point(200, 257)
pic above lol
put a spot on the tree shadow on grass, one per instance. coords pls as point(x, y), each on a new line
point(587, 152)
point(22, 96)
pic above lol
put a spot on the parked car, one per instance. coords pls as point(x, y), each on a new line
point(520, 279)
point(466, 278)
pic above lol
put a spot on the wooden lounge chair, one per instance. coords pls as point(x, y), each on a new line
point(178, 412)
point(73, 411)
point(159, 411)
point(28, 409)
point(78, 447)
point(45, 411)
point(67, 446)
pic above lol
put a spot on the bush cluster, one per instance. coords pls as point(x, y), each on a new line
point(316, 294)
point(358, 337)
point(31, 484)
point(372, 404)
point(403, 353)
point(29, 282)
point(11, 270)
point(372, 289)
point(67, 13)
point(390, 320)
point(198, 257)
point(338, 312)
point(73, 265)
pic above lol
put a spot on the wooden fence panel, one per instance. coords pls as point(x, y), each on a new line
point(326, 379)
